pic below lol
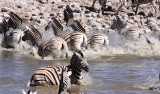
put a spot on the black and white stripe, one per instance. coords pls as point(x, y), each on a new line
point(98, 41)
point(65, 83)
point(55, 47)
point(49, 75)
point(75, 40)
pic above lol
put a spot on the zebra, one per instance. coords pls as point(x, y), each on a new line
point(97, 41)
point(138, 2)
point(3, 26)
point(75, 24)
point(54, 47)
point(29, 92)
point(49, 75)
point(134, 33)
point(75, 40)
point(65, 83)
point(12, 37)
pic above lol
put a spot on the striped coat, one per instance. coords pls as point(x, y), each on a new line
point(75, 40)
point(12, 38)
point(97, 41)
point(54, 47)
point(49, 75)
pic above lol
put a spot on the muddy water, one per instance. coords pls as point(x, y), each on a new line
point(124, 68)
point(118, 74)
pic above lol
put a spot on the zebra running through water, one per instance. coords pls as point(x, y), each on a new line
point(49, 75)
point(55, 47)
point(65, 83)
point(75, 40)
point(98, 41)
point(134, 33)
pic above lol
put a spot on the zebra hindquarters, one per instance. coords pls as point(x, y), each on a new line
point(98, 41)
point(12, 38)
point(55, 47)
point(78, 41)
point(47, 76)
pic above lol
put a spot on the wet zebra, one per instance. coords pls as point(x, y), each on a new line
point(12, 38)
point(65, 83)
point(49, 75)
point(55, 47)
point(98, 41)
point(134, 33)
point(75, 40)
point(3, 26)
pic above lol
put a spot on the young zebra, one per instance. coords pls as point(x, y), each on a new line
point(65, 83)
point(75, 40)
point(49, 76)
point(98, 41)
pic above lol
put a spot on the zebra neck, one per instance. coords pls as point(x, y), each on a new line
point(76, 74)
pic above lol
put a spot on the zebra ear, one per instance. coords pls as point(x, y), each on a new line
point(79, 53)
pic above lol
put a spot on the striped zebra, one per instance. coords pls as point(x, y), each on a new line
point(49, 75)
point(134, 33)
point(55, 47)
point(28, 92)
point(65, 83)
point(12, 38)
point(98, 41)
point(3, 26)
point(75, 40)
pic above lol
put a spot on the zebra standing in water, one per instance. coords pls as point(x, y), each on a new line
point(13, 36)
point(65, 83)
point(98, 41)
point(49, 75)
point(75, 40)
point(54, 47)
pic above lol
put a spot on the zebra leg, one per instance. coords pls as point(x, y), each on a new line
point(94, 1)
point(154, 6)
point(136, 9)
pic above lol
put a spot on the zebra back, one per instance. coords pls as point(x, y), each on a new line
point(48, 75)
point(68, 16)
point(14, 20)
point(65, 83)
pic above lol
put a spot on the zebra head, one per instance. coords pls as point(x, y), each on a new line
point(65, 83)
point(79, 62)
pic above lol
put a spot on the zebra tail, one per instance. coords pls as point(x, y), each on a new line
point(29, 82)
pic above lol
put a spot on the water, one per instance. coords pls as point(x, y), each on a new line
point(125, 68)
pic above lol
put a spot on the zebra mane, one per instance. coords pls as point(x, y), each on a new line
point(3, 26)
point(56, 26)
point(68, 15)
point(77, 26)
point(14, 20)
point(35, 34)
